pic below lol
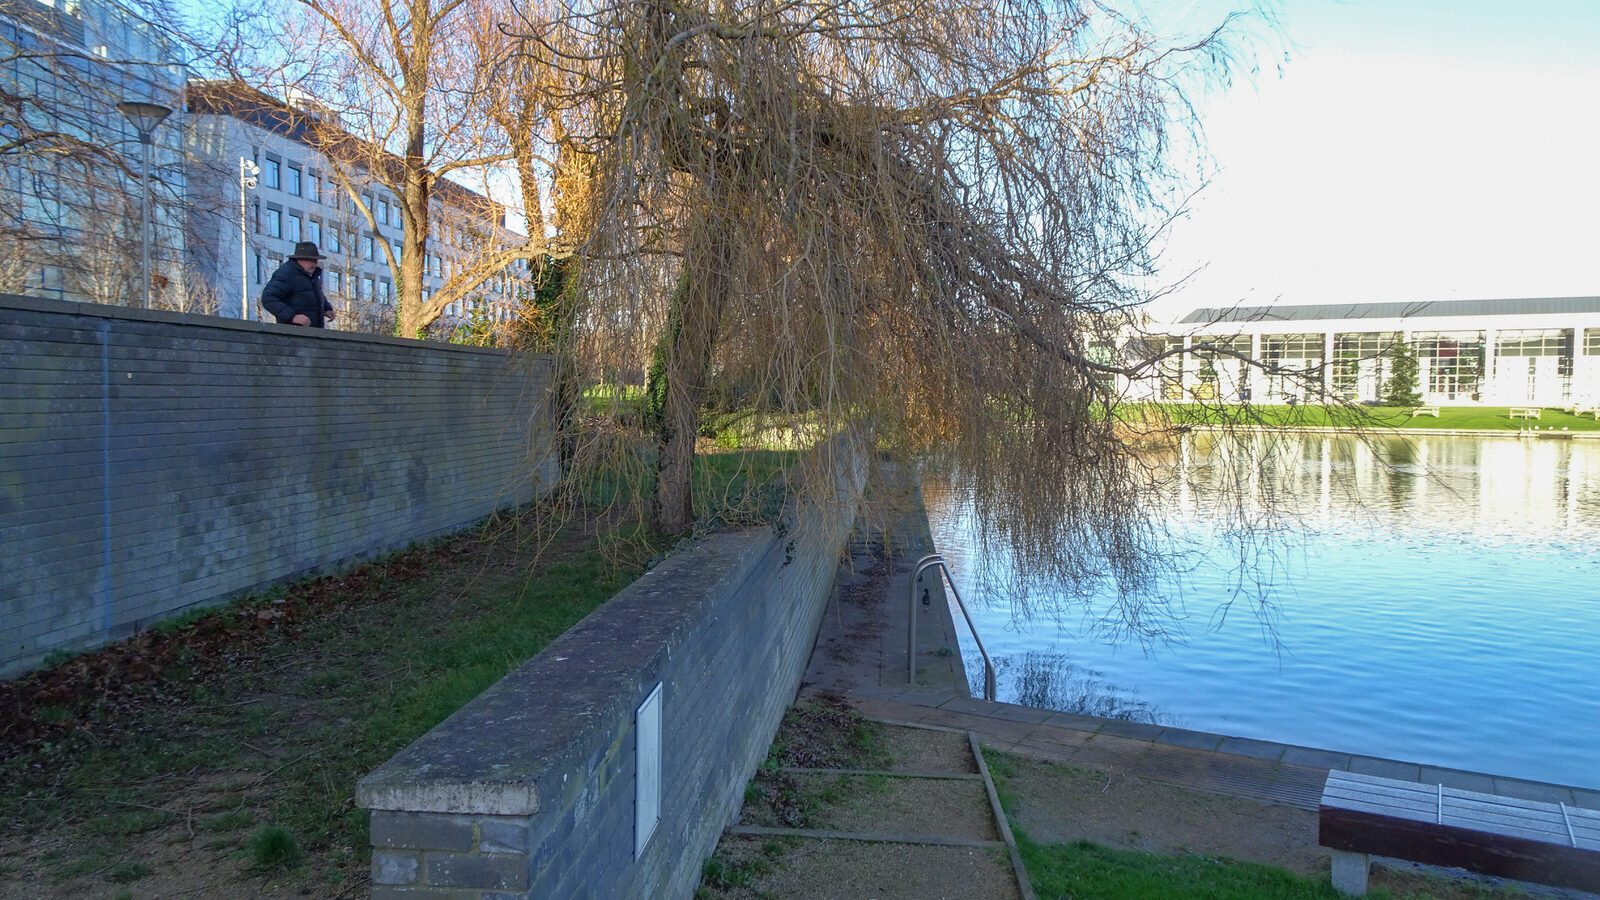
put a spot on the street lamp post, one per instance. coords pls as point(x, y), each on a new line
point(248, 171)
point(145, 117)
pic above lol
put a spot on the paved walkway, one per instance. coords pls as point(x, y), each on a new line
point(861, 652)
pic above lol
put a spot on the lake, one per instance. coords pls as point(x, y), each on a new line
point(1431, 599)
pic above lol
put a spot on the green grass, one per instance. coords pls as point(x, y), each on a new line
point(273, 847)
point(1084, 869)
point(361, 665)
point(1488, 418)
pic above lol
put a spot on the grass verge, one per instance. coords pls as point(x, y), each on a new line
point(218, 753)
point(1086, 869)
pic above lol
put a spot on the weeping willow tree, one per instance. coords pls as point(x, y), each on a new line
point(925, 219)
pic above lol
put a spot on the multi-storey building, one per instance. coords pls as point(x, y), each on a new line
point(297, 197)
point(70, 194)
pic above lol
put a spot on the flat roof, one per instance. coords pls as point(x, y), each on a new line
point(1520, 306)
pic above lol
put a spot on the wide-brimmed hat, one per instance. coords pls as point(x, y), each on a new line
point(306, 250)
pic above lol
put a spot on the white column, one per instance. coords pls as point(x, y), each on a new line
point(1252, 373)
point(1583, 392)
point(1183, 371)
point(1327, 364)
point(1489, 386)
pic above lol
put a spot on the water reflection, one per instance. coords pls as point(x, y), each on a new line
point(1430, 599)
point(1047, 680)
point(1528, 490)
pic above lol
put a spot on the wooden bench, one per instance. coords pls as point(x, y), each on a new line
point(1425, 411)
point(1524, 412)
point(1363, 816)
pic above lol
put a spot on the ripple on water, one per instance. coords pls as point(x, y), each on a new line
point(1458, 625)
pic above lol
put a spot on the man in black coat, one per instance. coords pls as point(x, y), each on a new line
point(294, 294)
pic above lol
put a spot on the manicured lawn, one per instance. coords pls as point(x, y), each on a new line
point(1491, 418)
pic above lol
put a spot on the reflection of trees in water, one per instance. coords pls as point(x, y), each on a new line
point(1047, 680)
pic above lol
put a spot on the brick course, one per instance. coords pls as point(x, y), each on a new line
point(155, 462)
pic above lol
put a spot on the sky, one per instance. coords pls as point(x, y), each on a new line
point(1403, 150)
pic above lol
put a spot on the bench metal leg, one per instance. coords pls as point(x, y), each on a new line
point(1350, 872)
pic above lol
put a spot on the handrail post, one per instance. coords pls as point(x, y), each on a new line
point(934, 560)
point(911, 598)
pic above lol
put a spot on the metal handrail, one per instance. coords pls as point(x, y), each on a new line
point(934, 560)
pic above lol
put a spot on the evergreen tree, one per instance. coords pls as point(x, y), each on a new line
point(1401, 387)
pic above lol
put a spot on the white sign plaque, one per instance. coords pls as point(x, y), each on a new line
point(647, 770)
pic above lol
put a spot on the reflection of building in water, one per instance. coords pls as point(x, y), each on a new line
point(1527, 488)
point(1542, 351)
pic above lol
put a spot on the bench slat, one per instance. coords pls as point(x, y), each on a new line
point(1509, 830)
point(1492, 812)
point(1588, 817)
point(1419, 801)
point(1346, 789)
point(1378, 809)
point(1506, 803)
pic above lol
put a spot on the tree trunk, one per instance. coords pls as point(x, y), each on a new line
point(417, 189)
point(696, 316)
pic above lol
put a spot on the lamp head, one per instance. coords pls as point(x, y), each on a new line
point(144, 116)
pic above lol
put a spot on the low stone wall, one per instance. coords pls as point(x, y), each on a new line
point(534, 789)
point(153, 462)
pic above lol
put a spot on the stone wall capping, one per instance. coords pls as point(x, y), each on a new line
point(218, 323)
point(580, 684)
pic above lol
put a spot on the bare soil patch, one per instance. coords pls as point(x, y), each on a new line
point(838, 870)
point(924, 750)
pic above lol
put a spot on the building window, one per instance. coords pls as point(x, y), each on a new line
point(1295, 356)
point(1452, 361)
point(52, 281)
point(383, 211)
point(388, 292)
point(334, 280)
point(294, 228)
point(1533, 342)
point(366, 247)
point(1591, 342)
point(333, 240)
point(314, 231)
point(273, 221)
point(1361, 363)
point(313, 187)
point(293, 185)
point(271, 173)
point(260, 269)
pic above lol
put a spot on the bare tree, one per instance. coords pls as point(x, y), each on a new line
point(416, 96)
point(922, 216)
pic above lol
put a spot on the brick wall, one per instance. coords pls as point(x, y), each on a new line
point(528, 791)
point(154, 462)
